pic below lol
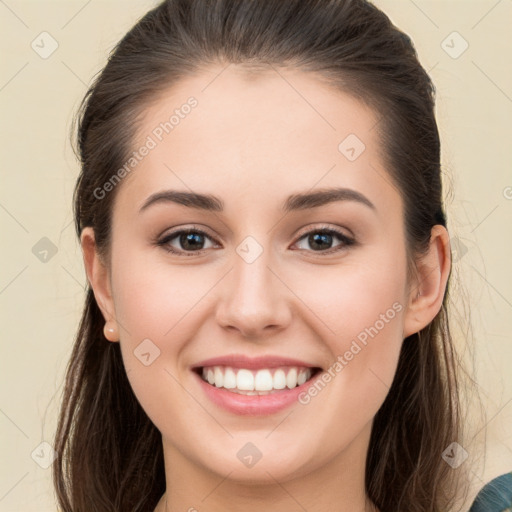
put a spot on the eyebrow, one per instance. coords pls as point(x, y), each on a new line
point(301, 201)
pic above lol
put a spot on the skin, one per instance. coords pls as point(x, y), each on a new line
point(253, 142)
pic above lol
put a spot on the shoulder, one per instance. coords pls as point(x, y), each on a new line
point(495, 496)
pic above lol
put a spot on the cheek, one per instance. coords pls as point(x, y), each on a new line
point(152, 303)
point(349, 298)
point(361, 307)
point(151, 297)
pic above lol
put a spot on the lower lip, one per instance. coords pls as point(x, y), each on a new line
point(252, 405)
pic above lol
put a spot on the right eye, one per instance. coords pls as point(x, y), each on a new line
point(191, 240)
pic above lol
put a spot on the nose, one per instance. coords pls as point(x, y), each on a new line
point(254, 301)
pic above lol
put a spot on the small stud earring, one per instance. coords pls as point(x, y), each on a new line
point(110, 331)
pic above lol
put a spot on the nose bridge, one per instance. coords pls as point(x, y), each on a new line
point(253, 298)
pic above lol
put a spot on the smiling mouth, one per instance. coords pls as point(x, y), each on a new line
point(264, 381)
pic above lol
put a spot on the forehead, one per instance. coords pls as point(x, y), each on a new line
point(268, 133)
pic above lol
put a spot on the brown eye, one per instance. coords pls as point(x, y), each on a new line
point(187, 240)
point(321, 240)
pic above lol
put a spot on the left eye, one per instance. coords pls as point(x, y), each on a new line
point(319, 239)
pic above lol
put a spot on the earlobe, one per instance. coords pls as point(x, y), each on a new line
point(99, 279)
point(427, 292)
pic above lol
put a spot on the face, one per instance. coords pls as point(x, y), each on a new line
point(276, 281)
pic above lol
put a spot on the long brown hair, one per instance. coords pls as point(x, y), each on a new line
point(110, 454)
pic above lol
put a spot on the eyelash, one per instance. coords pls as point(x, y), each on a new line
point(164, 242)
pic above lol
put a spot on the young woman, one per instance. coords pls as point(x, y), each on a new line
point(260, 212)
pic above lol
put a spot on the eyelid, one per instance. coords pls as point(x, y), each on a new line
point(326, 227)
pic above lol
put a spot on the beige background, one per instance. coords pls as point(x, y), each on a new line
point(41, 301)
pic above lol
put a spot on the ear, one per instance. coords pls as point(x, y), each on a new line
point(99, 279)
point(428, 289)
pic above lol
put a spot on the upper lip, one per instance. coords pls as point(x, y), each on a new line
point(242, 361)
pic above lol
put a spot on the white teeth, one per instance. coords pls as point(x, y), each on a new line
point(245, 380)
point(291, 378)
point(229, 379)
point(260, 382)
point(219, 377)
point(279, 379)
point(263, 380)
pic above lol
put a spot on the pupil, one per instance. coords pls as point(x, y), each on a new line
point(191, 241)
point(318, 238)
